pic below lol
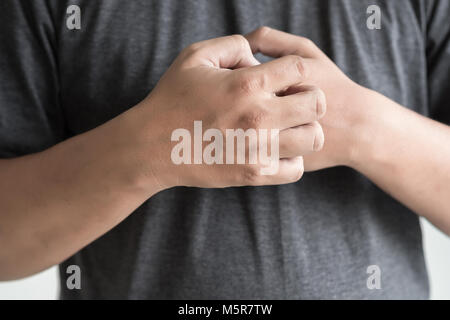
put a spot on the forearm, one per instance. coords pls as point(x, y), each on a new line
point(54, 203)
point(407, 155)
point(57, 201)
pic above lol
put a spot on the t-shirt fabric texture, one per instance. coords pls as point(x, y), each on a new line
point(307, 240)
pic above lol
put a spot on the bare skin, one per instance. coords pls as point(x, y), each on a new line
point(405, 154)
point(55, 202)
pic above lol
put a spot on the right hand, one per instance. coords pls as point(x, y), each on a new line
point(220, 82)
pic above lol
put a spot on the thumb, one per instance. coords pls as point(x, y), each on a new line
point(230, 52)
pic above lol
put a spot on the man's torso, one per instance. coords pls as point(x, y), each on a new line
point(312, 239)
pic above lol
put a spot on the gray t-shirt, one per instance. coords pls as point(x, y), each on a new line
point(312, 239)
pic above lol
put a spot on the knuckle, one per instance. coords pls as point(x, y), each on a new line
point(262, 31)
point(192, 49)
point(251, 175)
point(299, 63)
point(240, 40)
point(253, 119)
point(247, 83)
point(307, 42)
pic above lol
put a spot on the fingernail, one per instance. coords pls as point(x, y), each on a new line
point(321, 104)
point(318, 142)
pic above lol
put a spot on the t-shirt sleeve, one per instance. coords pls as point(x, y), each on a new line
point(438, 59)
point(31, 118)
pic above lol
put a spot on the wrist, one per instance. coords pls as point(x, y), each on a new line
point(135, 149)
point(365, 128)
point(374, 137)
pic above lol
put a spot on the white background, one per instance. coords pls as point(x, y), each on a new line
point(437, 252)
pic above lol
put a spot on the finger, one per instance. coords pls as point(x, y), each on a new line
point(305, 106)
point(289, 171)
point(226, 52)
point(301, 140)
point(281, 171)
point(275, 43)
point(279, 74)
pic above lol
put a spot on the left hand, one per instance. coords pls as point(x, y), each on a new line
point(403, 153)
point(343, 121)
